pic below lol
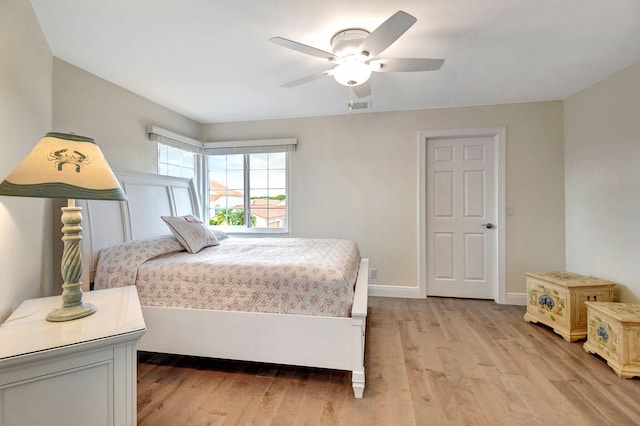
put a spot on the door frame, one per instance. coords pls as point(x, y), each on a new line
point(499, 135)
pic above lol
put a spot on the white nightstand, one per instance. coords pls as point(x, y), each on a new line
point(80, 372)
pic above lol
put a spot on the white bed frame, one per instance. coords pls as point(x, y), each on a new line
point(313, 341)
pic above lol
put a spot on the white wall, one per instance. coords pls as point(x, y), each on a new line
point(602, 181)
point(25, 116)
point(39, 94)
point(356, 176)
point(113, 116)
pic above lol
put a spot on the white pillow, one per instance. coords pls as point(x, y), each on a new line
point(219, 235)
point(191, 232)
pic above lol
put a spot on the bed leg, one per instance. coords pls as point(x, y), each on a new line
point(357, 374)
point(357, 382)
point(359, 326)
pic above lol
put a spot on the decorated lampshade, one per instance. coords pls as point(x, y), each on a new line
point(64, 166)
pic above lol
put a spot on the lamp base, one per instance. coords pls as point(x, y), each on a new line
point(71, 313)
point(72, 305)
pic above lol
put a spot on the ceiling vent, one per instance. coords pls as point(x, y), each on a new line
point(351, 105)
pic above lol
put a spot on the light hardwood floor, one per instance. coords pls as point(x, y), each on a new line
point(428, 362)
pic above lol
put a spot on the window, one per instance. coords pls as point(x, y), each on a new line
point(243, 184)
point(174, 161)
point(248, 190)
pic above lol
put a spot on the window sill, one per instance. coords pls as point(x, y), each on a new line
point(249, 232)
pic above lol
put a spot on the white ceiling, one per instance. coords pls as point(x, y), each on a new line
point(211, 60)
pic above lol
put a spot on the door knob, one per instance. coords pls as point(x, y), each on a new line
point(488, 225)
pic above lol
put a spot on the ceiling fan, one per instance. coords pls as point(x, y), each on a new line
point(355, 53)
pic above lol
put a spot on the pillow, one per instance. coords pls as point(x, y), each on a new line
point(191, 232)
point(219, 235)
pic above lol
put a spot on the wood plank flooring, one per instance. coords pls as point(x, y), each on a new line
point(437, 361)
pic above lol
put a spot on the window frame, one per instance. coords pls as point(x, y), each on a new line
point(168, 165)
point(201, 150)
point(246, 228)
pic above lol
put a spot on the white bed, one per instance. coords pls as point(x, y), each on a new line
point(305, 340)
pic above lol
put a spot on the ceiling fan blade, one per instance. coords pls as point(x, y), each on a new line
point(363, 90)
point(386, 34)
point(303, 48)
point(406, 64)
point(306, 79)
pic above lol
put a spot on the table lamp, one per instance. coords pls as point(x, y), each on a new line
point(73, 167)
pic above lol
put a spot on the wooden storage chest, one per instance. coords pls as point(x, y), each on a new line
point(556, 299)
point(614, 334)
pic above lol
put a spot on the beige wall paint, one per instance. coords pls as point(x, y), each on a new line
point(113, 116)
point(602, 184)
point(25, 116)
point(356, 176)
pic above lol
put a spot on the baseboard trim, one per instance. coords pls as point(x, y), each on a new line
point(394, 291)
point(519, 299)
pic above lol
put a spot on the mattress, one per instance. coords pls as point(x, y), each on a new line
point(275, 275)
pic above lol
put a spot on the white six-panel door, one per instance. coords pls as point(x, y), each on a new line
point(460, 204)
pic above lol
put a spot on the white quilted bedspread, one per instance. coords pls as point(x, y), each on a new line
point(277, 275)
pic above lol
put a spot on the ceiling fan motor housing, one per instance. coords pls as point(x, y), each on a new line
point(346, 42)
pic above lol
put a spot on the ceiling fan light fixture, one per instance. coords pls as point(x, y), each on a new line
point(355, 52)
point(352, 71)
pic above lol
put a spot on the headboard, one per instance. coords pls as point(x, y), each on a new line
point(108, 223)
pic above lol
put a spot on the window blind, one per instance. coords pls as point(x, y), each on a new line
point(186, 143)
point(250, 146)
point(167, 137)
